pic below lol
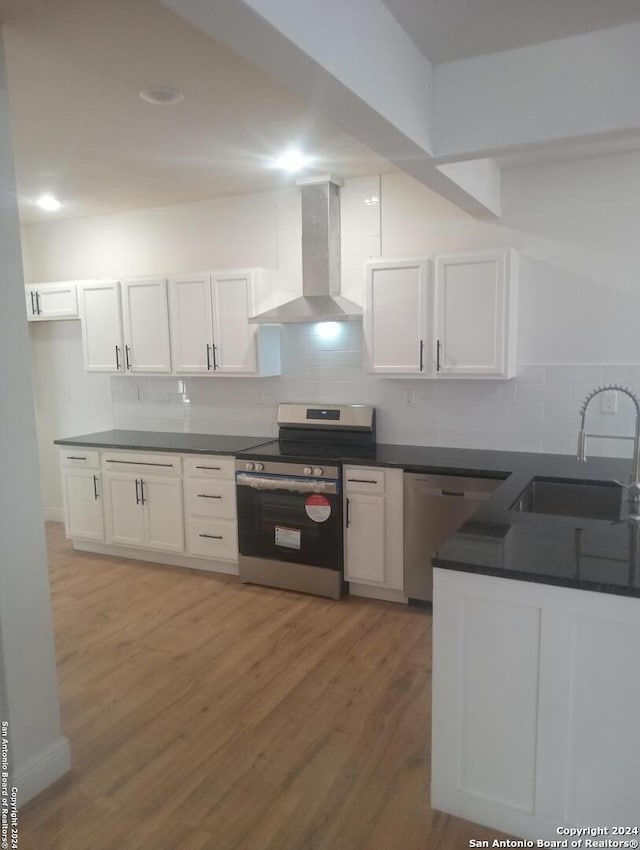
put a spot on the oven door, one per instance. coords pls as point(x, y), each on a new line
point(290, 519)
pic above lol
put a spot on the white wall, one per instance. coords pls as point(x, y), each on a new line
point(574, 223)
point(38, 753)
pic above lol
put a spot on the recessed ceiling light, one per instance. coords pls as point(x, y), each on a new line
point(292, 160)
point(48, 203)
point(161, 95)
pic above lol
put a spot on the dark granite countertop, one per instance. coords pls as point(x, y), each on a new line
point(161, 441)
point(589, 554)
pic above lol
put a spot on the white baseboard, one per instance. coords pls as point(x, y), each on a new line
point(226, 567)
point(42, 770)
point(54, 514)
point(371, 592)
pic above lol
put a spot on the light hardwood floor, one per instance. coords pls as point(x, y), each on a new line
point(208, 715)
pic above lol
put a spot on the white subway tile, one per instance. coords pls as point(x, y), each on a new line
point(561, 410)
point(573, 374)
point(530, 374)
point(544, 392)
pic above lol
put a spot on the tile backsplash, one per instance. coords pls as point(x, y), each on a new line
point(536, 412)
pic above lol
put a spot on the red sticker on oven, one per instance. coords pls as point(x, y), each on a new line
point(318, 507)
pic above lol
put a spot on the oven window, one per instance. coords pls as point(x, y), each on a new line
point(289, 526)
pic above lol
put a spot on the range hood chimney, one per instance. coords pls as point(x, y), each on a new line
point(321, 300)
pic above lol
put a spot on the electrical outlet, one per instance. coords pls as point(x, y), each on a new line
point(260, 396)
point(409, 397)
point(609, 402)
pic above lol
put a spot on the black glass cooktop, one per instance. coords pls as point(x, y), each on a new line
point(309, 452)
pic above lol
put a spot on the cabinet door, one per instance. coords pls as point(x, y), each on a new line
point(81, 491)
point(47, 301)
point(145, 325)
point(471, 314)
point(486, 676)
point(163, 513)
point(365, 539)
point(234, 338)
point(101, 326)
point(191, 336)
point(396, 317)
point(124, 512)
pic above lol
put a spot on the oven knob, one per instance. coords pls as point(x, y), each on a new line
point(318, 471)
point(307, 470)
point(249, 466)
point(259, 467)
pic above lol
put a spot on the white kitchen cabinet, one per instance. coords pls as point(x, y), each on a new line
point(210, 507)
point(101, 326)
point(364, 539)
point(82, 494)
point(125, 326)
point(373, 528)
point(47, 301)
point(210, 329)
point(145, 325)
point(143, 501)
point(396, 317)
point(459, 323)
point(533, 686)
point(123, 509)
point(475, 296)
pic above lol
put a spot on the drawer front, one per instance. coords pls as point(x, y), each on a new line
point(142, 462)
point(360, 479)
point(79, 456)
point(209, 466)
point(210, 498)
point(212, 538)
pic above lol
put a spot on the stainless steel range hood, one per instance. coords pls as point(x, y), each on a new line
point(321, 300)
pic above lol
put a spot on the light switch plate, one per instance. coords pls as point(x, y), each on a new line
point(409, 397)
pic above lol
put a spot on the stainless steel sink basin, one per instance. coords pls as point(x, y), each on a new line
point(571, 498)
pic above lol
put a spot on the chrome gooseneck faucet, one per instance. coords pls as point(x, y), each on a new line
point(634, 481)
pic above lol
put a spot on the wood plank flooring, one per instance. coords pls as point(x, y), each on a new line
point(208, 715)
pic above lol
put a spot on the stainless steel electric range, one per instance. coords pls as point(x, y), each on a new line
point(290, 501)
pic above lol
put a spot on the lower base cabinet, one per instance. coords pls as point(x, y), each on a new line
point(82, 497)
point(164, 503)
point(144, 511)
point(535, 695)
point(373, 527)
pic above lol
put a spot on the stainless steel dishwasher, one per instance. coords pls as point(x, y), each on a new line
point(434, 507)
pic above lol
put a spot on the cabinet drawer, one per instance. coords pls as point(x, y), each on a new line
point(360, 479)
point(134, 462)
point(205, 498)
point(212, 538)
point(79, 456)
point(209, 466)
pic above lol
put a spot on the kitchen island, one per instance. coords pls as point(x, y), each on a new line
point(536, 662)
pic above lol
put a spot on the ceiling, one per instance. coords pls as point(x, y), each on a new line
point(448, 30)
point(80, 130)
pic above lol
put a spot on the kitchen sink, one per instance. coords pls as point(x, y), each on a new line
point(571, 498)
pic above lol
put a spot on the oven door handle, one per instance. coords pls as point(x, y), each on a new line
point(294, 485)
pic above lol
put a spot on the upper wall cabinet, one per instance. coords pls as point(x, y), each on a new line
point(47, 301)
point(458, 323)
point(125, 326)
point(476, 302)
point(397, 316)
point(210, 329)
